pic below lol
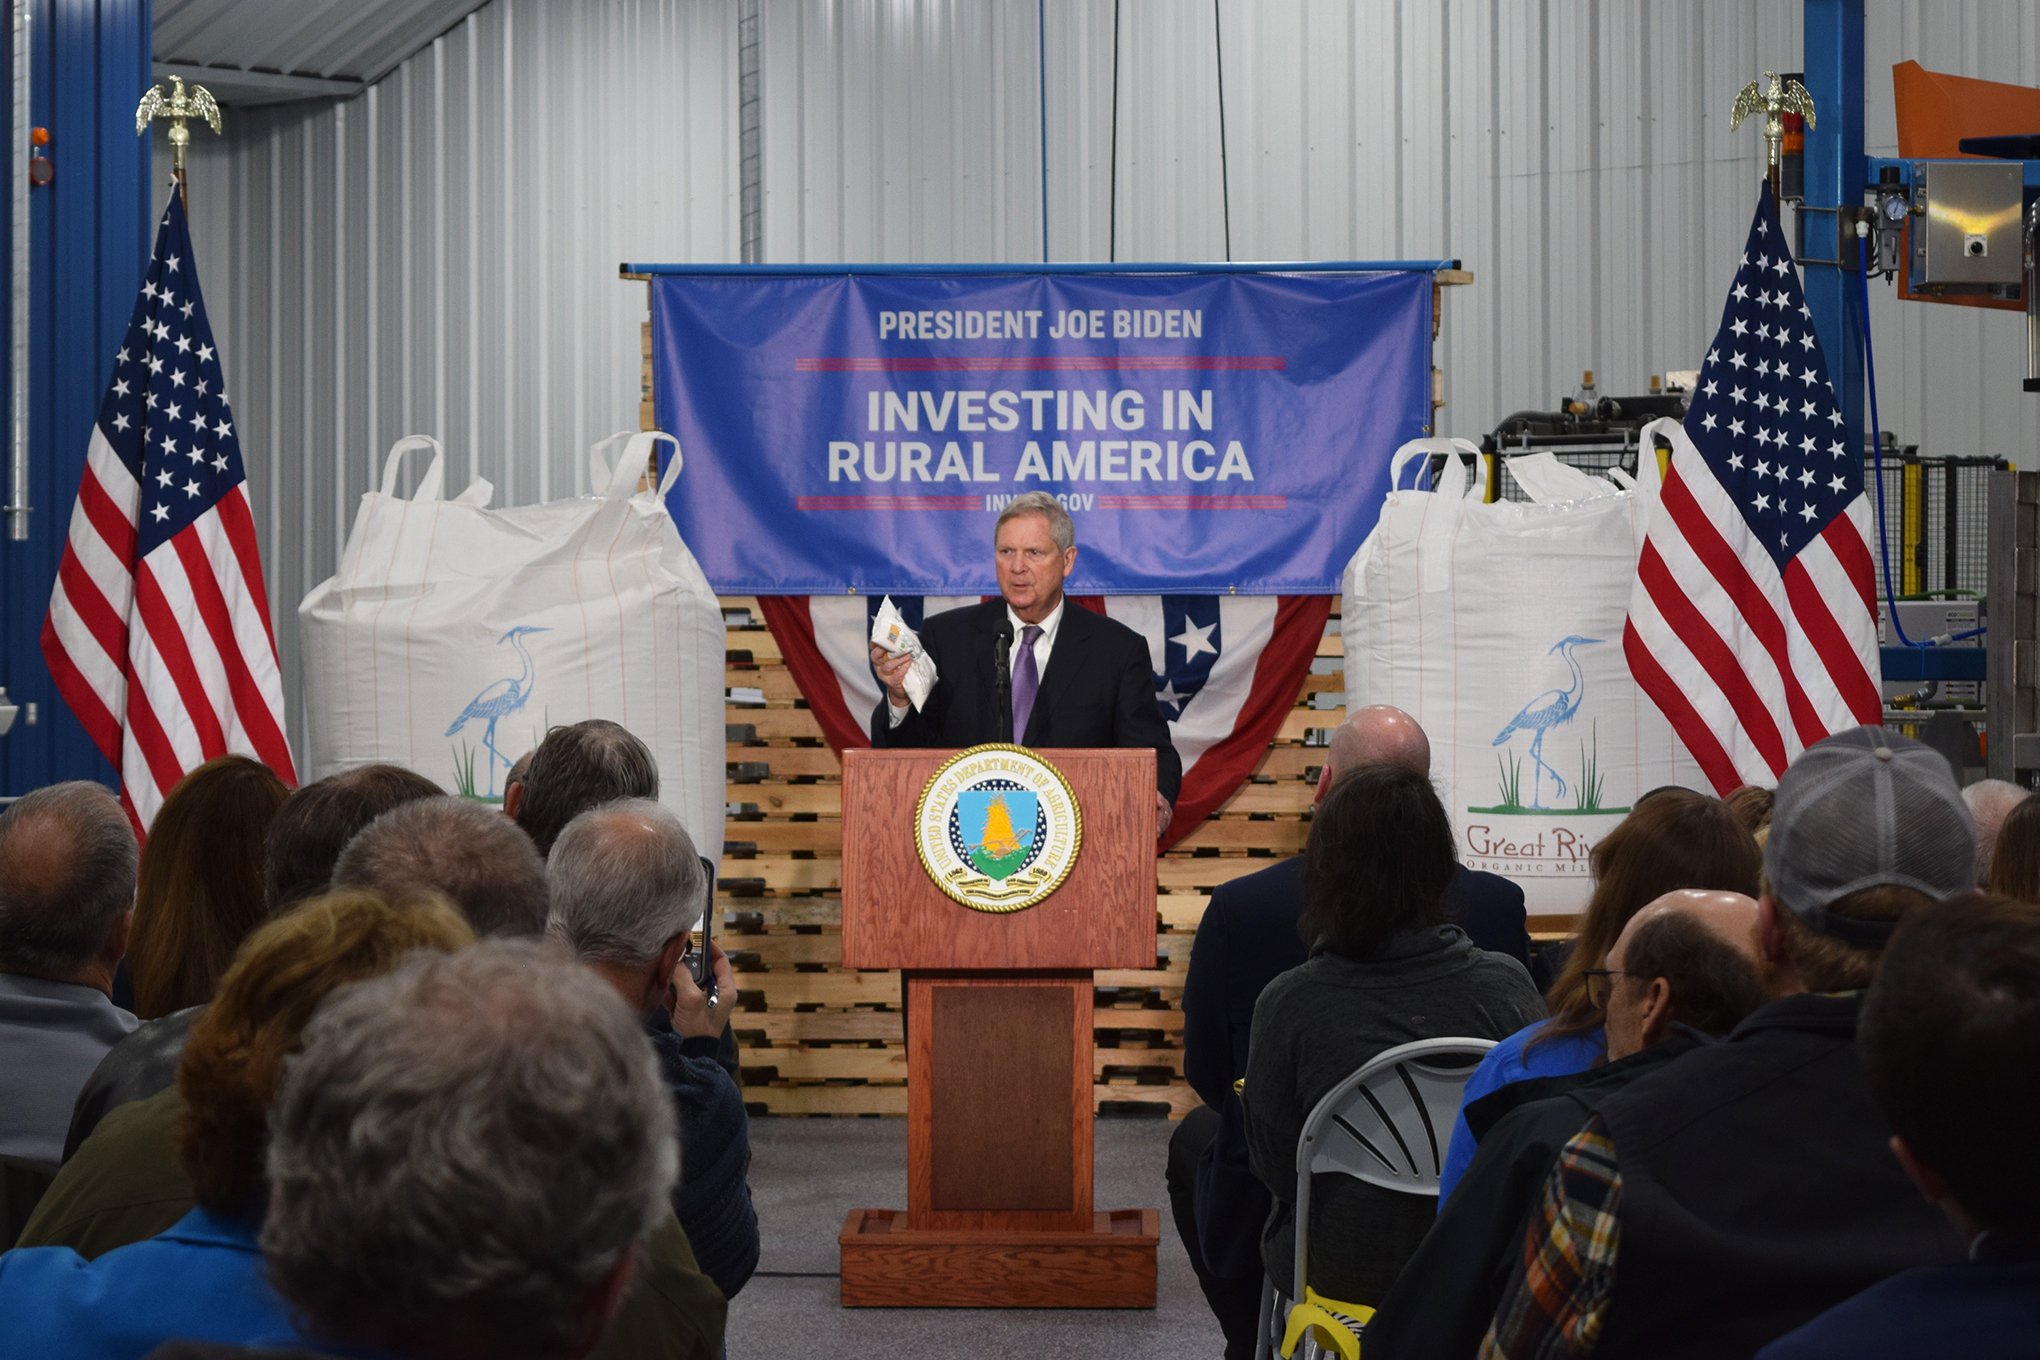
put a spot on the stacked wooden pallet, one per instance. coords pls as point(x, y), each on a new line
point(822, 1039)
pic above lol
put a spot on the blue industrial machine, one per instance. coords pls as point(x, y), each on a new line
point(1972, 226)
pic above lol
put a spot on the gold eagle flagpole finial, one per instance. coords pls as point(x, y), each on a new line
point(1781, 98)
point(199, 103)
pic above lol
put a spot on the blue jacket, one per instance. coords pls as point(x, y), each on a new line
point(201, 1280)
point(1512, 1060)
point(1987, 1309)
point(713, 1198)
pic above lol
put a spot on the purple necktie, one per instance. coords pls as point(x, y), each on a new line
point(1026, 682)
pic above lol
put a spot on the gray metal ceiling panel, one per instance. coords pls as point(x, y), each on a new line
point(335, 39)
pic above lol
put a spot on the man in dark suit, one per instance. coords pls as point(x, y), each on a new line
point(1245, 939)
point(1078, 678)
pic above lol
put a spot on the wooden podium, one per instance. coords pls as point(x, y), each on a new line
point(998, 1029)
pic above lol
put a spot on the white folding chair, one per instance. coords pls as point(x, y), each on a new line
point(1389, 1125)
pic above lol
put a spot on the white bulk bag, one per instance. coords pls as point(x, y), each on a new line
point(1499, 628)
point(453, 636)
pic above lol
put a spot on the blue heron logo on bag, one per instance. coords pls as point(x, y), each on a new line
point(1552, 708)
point(497, 701)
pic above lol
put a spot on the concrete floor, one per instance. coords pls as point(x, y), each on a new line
point(807, 1174)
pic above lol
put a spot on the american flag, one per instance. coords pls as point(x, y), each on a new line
point(1753, 618)
point(158, 633)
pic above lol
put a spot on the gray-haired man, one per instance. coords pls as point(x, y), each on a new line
point(1078, 678)
point(481, 862)
point(626, 889)
point(67, 893)
point(468, 1158)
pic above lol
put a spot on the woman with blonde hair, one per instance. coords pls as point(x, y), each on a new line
point(1674, 838)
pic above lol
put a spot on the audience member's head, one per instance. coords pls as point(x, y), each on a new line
point(234, 1059)
point(1950, 1039)
point(577, 767)
point(465, 1158)
point(314, 825)
point(1990, 802)
point(1375, 735)
point(1751, 805)
point(200, 890)
point(626, 887)
point(2015, 855)
point(1689, 957)
point(513, 782)
point(67, 884)
point(1869, 824)
point(475, 858)
point(1673, 838)
point(1378, 861)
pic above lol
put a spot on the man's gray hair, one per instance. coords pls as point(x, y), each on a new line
point(463, 1151)
point(1061, 527)
point(473, 855)
point(68, 859)
point(625, 880)
point(1990, 802)
point(581, 766)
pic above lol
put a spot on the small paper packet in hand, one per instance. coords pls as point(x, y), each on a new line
point(890, 631)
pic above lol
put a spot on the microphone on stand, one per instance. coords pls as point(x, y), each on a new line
point(1002, 663)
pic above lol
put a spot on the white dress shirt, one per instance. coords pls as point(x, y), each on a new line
point(1043, 646)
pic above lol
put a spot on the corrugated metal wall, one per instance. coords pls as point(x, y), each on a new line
point(438, 255)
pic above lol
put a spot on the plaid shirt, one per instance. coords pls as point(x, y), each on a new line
point(1558, 1294)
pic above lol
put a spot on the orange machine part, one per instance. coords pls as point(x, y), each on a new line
point(1935, 112)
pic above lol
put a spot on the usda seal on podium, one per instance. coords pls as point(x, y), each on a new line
point(998, 828)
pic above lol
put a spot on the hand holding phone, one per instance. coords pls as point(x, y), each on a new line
point(700, 1010)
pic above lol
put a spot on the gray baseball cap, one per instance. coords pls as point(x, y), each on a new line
point(1862, 809)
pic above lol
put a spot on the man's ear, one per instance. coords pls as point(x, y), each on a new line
point(513, 798)
point(1658, 1011)
point(1069, 559)
point(662, 970)
point(115, 947)
point(600, 1304)
point(1770, 937)
point(1931, 1187)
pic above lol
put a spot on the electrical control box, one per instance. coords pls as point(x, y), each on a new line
point(1924, 621)
point(1966, 228)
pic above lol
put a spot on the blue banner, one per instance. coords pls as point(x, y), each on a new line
point(1210, 433)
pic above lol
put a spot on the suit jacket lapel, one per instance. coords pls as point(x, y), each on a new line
point(1065, 659)
point(985, 629)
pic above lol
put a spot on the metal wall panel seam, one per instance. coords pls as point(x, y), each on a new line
point(438, 50)
point(306, 452)
point(546, 118)
point(507, 133)
point(407, 293)
point(270, 409)
point(471, 27)
point(371, 277)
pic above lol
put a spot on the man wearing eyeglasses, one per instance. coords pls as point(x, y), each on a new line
point(1078, 678)
point(1683, 970)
